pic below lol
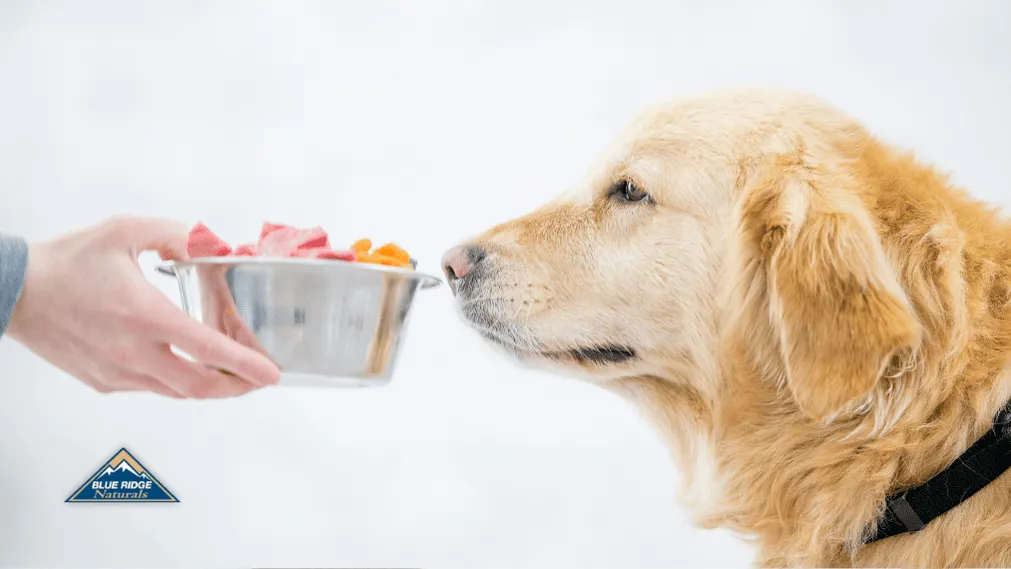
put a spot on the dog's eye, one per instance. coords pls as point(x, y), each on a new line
point(627, 191)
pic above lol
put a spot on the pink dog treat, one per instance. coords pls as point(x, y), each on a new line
point(245, 250)
point(314, 238)
point(284, 241)
point(276, 240)
point(270, 227)
point(204, 243)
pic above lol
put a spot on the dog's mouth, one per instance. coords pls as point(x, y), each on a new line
point(596, 355)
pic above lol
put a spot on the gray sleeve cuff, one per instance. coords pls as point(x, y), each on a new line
point(13, 264)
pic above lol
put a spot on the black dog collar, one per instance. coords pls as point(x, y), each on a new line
point(980, 465)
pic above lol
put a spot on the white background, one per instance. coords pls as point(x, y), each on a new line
point(420, 123)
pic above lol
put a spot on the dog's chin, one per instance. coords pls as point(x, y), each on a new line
point(588, 356)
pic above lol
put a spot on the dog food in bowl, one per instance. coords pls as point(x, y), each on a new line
point(326, 316)
point(278, 240)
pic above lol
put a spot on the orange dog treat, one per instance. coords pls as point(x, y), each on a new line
point(362, 246)
point(389, 255)
point(391, 250)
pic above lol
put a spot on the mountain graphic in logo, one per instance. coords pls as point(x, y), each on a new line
point(122, 479)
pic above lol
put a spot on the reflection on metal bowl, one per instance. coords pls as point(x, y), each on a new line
point(323, 322)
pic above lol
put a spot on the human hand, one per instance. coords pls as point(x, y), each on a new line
point(86, 308)
point(218, 309)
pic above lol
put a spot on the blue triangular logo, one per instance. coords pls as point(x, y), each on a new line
point(122, 479)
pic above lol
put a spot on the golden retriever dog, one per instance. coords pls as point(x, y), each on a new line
point(812, 320)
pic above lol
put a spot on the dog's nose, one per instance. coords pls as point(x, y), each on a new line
point(459, 261)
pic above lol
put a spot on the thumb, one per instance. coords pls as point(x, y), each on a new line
point(167, 237)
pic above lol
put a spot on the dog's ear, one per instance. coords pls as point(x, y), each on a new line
point(835, 306)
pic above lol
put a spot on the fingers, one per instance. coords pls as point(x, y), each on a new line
point(168, 324)
point(214, 349)
point(146, 383)
point(195, 380)
point(150, 384)
point(156, 369)
point(167, 237)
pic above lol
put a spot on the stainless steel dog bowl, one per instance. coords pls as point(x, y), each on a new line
point(323, 322)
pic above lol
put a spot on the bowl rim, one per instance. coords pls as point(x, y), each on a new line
point(427, 280)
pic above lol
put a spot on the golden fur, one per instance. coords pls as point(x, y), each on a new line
point(819, 320)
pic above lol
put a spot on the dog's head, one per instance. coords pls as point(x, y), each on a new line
point(736, 215)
